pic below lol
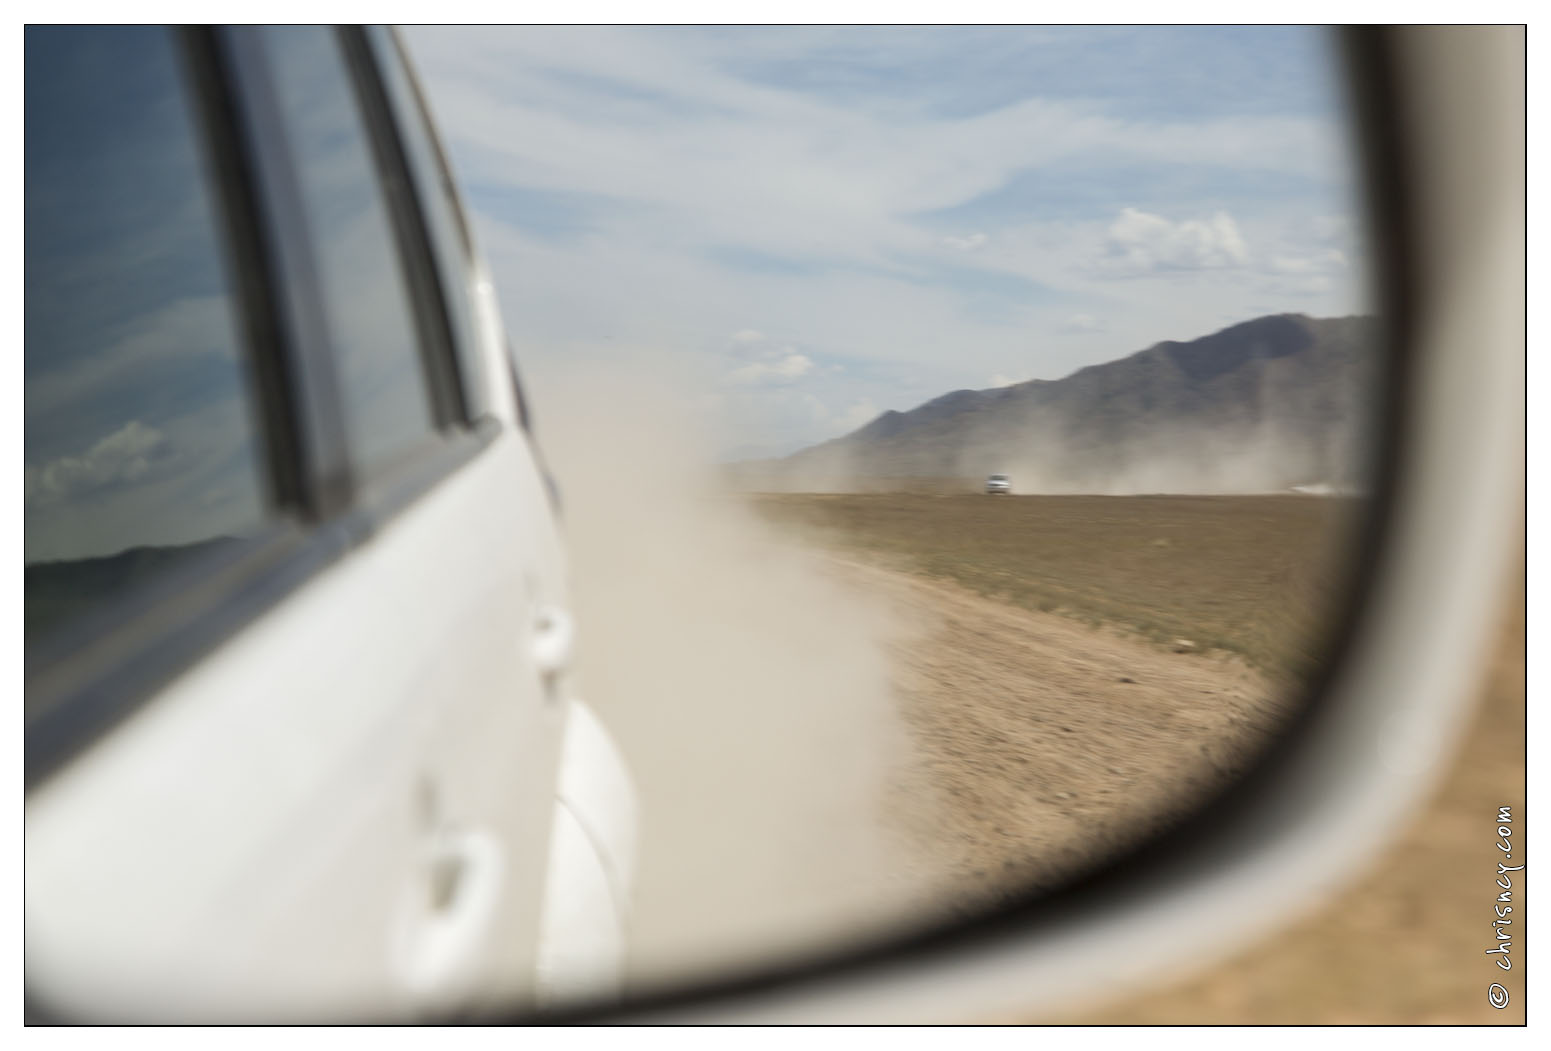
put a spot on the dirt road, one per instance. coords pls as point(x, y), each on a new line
point(1040, 745)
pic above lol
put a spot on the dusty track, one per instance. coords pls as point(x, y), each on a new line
point(1041, 744)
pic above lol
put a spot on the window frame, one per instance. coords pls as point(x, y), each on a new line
point(369, 50)
point(387, 46)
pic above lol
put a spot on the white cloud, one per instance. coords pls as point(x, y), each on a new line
point(1318, 263)
point(793, 365)
point(787, 367)
point(1139, 242)
point(747, 335)
point(123, 456)
point(1081, 323)
point(966, 244)
point(1000, 380)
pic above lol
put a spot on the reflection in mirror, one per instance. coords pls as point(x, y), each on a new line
point(961, 431)
point(141, 450)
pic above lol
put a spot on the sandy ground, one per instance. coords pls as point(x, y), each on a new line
point(1042, 745)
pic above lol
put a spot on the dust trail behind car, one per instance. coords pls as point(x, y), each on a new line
point(748, 686)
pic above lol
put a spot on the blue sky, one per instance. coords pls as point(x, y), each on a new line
point(805, 227)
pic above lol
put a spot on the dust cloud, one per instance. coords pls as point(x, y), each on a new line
point(1265, 457)
point(749, 689)
point(1052, 457)
point(1268, 443)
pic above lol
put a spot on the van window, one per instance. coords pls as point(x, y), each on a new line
point(141, 445)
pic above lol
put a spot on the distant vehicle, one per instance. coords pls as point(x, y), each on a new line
point(998, 485)
point(301, 740)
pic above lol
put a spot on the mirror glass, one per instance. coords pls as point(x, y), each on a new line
point(960, 437)
point(961, 433)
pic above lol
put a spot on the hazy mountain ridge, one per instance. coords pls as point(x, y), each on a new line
point(1263, 405)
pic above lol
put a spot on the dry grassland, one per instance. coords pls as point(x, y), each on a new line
point(1254, 576)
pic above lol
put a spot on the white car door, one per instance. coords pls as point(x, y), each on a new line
point(295, 627)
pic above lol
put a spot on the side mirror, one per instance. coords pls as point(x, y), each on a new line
point(1441, 112)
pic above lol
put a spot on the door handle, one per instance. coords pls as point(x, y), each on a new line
point(447, 912)
point(554, 637)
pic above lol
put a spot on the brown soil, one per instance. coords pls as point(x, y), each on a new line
point(1041, 745)
point(1253, 576)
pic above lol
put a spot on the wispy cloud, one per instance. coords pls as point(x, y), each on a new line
point(1138, 242)
point(1082, 323)
point(1325, 262)
point(789, 366)
point(966, 244)
point(126, 455)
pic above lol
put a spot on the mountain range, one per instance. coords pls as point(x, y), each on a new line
point(1264, 405)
